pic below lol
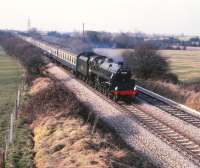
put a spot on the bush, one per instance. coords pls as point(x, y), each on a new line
point(147, 63)
point(192, 85)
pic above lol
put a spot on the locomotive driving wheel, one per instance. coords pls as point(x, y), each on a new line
point(115, 98)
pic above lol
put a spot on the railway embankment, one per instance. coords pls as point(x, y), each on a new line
point(127, 127)
point(66, 133)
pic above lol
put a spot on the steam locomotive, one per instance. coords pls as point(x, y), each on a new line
point(106, 75)
point(111, 78)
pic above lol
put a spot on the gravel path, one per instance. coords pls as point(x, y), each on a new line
point(131, 132)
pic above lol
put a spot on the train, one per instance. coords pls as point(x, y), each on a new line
point(103, 73)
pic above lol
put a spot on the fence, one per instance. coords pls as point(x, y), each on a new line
point(10, 135)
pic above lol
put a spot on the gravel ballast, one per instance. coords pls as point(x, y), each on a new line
point(180, 125)
point(128, 129)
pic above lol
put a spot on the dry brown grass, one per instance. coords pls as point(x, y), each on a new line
point(194, 101)
point(39, 84)
point(63, 138)
point(169, 90)
point(187, 94)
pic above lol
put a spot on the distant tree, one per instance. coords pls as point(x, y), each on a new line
point(126, 40)
point(34, 33)
point(147, 63)
point(92, 36)
point(100, 39)
point(54, 33)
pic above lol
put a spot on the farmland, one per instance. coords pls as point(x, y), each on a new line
point(10, 73)
point(186, 64)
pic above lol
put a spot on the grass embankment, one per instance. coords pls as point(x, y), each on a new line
point(10, 78)
point(184, 63)
point(64, 139)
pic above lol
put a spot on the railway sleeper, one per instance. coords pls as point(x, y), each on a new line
point(188, 117)
point(196, 151)
point(164, 129)
point(184, 141)
point(194, 147)
point(177, 138)
point(181, 115)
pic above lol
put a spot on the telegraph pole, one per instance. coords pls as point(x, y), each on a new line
point(83, 31)
point(29, 24)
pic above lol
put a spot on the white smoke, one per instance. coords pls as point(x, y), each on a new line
point(115, 54)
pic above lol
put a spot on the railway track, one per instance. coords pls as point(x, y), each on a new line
point(174, 111)
point(182, 143)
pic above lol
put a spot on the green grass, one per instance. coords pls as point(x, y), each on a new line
point(186, 64)
point(21, 153)
point(10, 74)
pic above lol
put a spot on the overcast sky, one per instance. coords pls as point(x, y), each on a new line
point(150, 16)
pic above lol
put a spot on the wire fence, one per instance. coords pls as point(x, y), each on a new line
point(10, 134)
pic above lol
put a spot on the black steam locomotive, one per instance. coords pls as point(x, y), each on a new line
point(111, 78)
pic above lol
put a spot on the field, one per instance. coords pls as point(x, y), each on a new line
point(186, 64)
point(10, 73)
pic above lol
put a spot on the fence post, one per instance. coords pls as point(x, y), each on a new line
point(18, 97)
point(11, 128)
point(17, 102)
point(6, 148)
point(10, 133)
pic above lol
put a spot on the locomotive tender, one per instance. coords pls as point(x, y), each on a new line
point(107, 76)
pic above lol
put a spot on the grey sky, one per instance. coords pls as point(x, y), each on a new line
point(151, 16)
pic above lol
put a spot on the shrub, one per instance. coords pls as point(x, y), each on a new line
point(147, 63)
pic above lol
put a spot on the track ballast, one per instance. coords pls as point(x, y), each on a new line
point(181, 114)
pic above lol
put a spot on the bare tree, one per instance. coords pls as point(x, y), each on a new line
point(146, 62)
